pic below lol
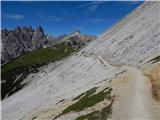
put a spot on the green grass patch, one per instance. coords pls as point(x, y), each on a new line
point(87, 93)
point(89, 100)
point(106, 112)
point(38, 57)
point(91, 116)
point(154, 60)
point(28, 63)
point(102, 114)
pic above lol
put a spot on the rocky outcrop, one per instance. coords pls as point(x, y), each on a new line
point(25, 39)
point(22, 40)
point(39, 39)
point(76, 39)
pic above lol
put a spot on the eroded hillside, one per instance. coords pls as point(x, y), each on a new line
point(109, 78)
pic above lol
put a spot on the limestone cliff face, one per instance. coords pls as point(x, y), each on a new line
point(39, 39)
point(130, 43)
point(21, 40)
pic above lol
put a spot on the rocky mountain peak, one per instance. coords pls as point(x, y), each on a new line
point(40, 29)
point(18, 29)
point(77, 32)
point(24, 39)
point(21, 40)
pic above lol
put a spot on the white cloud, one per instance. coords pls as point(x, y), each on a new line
point(13, 16)
point(91, 3)
point(92, 6)
point(54, 18)
point(133, 2)
point(49, 18)
point(96, 20)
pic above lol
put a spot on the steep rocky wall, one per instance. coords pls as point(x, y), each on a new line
point(21, 40)
point(132, 42)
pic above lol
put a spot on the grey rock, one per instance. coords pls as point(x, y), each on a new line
point(21, 40)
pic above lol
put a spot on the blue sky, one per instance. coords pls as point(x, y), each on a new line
point(92, 17)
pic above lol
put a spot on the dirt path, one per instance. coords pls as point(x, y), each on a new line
point(134, 101)
point(142, 95)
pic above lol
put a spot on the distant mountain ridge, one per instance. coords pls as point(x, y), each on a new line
point(22, 40)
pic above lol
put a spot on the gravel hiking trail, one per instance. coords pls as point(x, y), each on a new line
point(135, 98)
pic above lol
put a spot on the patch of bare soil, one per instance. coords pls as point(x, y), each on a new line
point(153, 73)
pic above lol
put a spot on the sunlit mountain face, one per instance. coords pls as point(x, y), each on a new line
point(58, 62)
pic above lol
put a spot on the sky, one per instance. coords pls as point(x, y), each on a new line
point(64, 17)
